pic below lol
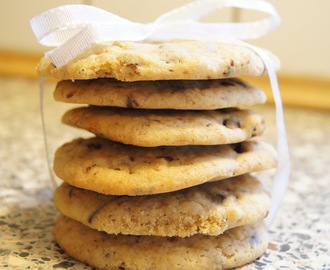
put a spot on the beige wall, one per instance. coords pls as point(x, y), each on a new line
point(302, 42)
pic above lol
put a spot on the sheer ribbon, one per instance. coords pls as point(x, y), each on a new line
point(72, 29)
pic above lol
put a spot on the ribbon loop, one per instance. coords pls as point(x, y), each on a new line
point(55, 26)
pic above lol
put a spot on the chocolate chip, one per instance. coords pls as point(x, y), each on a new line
point(171, 239)
point(232, 122)
point(108, 255)
point(69, 95)
point(254, 132)
point(133, 67)
point(131, 103)
point(238, 148)
point(227, 71)
point(89, 168)
point(94, 146)
point(225, 82)
point(219, 197)
point(122, 266)
point(232, 63)
point(167, 158)
point(70, 193)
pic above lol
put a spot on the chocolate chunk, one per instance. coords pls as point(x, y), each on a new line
point(94, 213)
point(232, 122)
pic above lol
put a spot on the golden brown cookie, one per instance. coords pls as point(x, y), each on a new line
point(150, 128)
point(172, 60)
point(210, 208)
point(178, 95)
point(112, 168)
point(234, 248)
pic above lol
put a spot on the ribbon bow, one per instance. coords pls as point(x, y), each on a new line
point(74, 28)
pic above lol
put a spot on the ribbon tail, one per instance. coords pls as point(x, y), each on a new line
point(43, 124)
point(281, 178)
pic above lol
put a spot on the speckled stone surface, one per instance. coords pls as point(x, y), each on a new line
point(299, 237)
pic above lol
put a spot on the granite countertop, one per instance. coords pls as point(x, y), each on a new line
point(299, 237)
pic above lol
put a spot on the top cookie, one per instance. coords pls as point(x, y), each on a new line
point(176, 60)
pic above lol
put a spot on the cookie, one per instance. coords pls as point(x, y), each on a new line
point(234, 248)
point(116, 169)
point(150, 128)
point(147, 61)
point(178, 95)
point(210, 208)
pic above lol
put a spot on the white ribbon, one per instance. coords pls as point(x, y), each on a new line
point(73, 29)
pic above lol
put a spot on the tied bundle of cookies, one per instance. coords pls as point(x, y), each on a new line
point(165, 181)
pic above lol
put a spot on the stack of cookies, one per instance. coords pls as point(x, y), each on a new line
point(165, 180)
